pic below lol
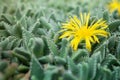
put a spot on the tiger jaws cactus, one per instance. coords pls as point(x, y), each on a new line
point(59, 40)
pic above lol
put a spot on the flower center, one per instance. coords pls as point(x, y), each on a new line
point(83, 32)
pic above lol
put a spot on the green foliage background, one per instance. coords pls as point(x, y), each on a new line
point(30, 48)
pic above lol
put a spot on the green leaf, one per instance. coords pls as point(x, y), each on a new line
point(3, 65)
point(45, 23)
point(18, 14)
point(106, 16)
point(64, 48)
point(51, 74)
point(46, 59)
point(8, 28)
point(73, 67)
point(37, 46)
point(116, 73)
point(7, 18)
point(35, 26)
point(10, 45)
point(102, 49)
point(23, 68)
point(113, 26)
point(23, 52)
point(3, 33)
point(83, 70)
point(69, 76)
point(118, 50)
point(21, 58)
point(112, 43)
point(59, 60)
point(17, 30)
point(4, 43)
point(36, 69)
point(41, 31)
point(26, 37)
point(106, 74)
point(79, 54)
point(52, 46)
point(92, 62)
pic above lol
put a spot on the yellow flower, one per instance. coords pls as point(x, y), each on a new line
point(81, 30)
point(114, 5)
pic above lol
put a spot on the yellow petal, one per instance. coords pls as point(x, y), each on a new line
point(88, 45)
point(66, 34)
point(101, 33)
point(87, 19)
point(99, 24)
point(81, 17)
point(75, 42)
point(96, 39)
point(91, 39)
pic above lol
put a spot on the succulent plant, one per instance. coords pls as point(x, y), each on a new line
point(31, 48)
